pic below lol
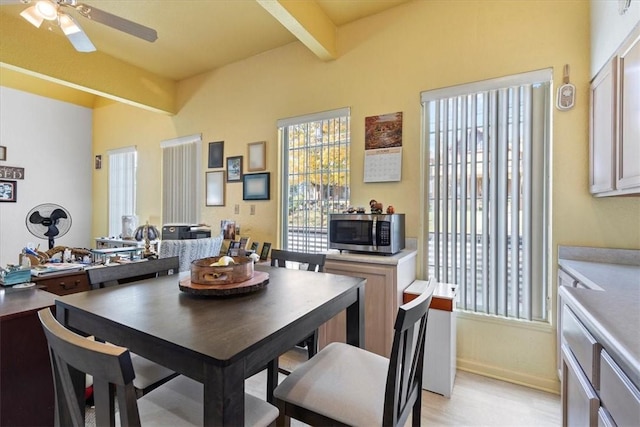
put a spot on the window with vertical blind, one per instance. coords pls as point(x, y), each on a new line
point(122, 187)
point(181, 180)
point(487, 192)
point(315, 180)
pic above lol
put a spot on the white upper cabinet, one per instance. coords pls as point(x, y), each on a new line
point(628, 164)
point(614, 150)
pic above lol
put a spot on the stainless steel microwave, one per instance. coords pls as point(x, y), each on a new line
point(374, 233)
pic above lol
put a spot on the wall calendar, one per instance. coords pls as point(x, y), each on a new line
point(383, 148)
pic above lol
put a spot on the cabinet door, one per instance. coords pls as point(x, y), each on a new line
point(602, 137)
point(380, 307)
point(580, 402)
point(629, 138)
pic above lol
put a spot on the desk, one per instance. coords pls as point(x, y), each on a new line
point(26, 385)
point(217, 341)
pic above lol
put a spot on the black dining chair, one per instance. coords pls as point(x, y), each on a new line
point(347, 385)
point(149, 375)
point(313, 262)
point(179, 402)
point(112, 275)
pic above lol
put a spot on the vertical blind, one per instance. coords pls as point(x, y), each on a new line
point(316, 172)
point(122, 187)
point(181, 180)
point(487, 192)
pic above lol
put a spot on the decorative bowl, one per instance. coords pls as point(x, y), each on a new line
point(203, 273)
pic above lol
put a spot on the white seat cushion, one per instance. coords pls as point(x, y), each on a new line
point(343, 382)
point(147, 372)
point(179, 403)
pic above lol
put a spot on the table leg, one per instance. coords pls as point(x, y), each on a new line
point(272, 378)
point(355, 321)
point(224, 395)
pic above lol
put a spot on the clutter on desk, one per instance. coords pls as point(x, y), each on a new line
point(14, 275)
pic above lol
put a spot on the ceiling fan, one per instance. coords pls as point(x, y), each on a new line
point(53, 11)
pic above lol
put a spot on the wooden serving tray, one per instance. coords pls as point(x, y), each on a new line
point(259, 280)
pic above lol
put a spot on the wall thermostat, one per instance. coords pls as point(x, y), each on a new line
point(566, 92)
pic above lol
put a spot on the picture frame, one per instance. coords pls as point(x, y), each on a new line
point(256, 153)
point(215, 188)
point(98, 161)
point(8, 191)
point(256, 186)
point(234, 169)
point(216, 154)
point(234, 248)
point(254, 246)
point(243, 242)
point(3, 152)
point(228, 229)
point(264, 253)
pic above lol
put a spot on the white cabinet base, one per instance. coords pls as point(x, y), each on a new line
point(439, 371)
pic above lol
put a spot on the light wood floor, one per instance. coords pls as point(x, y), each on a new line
point(476, 401)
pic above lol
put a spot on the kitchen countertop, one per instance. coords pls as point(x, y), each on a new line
point(402, 256)
point(611, 310)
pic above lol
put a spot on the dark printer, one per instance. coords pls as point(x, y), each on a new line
point(184, 231)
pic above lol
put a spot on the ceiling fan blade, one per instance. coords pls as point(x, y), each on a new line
point(76, 36)
point(111, 20)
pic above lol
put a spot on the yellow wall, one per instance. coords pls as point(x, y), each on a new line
point(384, 63)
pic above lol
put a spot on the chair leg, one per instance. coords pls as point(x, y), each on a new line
point(283, 420)
point(312, 344)
point(416, 413)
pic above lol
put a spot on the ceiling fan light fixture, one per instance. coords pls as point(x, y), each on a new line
point(68, 24)
point(32, 15)
point(47, 10)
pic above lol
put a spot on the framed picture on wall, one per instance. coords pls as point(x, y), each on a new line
point(257, 156)
point(8, 190)
point(256, 186)
point(234, 169)
point(215, 188)
point(216, 154)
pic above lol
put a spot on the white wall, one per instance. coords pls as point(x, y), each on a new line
point(51, 140)
point(609, 29)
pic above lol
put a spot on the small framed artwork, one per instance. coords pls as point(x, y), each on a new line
point(256, 186)
point(216, 154)
point(264, 254)
point(98, 161)
point(257, 156)
point(8, 190)
point(243, 242)
point(215, 188)
point(234, 169)
point(234, 248)
point(254, 246)
point(3, 152)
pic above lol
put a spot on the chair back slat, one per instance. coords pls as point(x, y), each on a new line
point(314, 262)
point(72, 356)
point(101, 277)
point(404, 379)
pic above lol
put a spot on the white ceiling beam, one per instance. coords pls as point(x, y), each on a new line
point(308, 22)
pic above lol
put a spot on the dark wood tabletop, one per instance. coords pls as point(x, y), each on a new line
point(218, 341)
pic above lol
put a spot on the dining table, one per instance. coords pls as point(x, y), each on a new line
point(217, 340)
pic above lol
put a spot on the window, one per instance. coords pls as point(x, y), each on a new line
point(315, 182)
point(181, 180)
point(487, 203)
point(122, 187)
